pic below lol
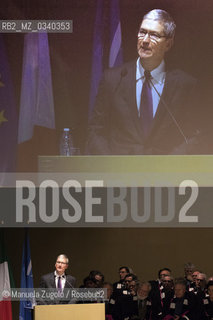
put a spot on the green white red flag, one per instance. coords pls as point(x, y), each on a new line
point(6, 283)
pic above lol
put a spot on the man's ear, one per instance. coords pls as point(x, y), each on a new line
point(170, 42)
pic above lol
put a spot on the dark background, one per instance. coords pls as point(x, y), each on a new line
point(145, 250)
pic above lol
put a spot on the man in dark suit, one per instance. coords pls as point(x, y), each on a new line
point(58, 279)
point(183, 305)
point(141, 108)
point(161, 292)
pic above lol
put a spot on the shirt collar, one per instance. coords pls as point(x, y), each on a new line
point(57, 275)
point(158, 74)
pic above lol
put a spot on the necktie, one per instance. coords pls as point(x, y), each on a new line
point(59, 286)
point(146, 105)
point(142, 309)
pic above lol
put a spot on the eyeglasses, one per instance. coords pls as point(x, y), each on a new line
point(200, 280)
point(60, 262)
point(154, 36)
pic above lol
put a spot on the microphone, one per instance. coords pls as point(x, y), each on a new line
point(169, 111)
point(69, 283)
point(72, 300)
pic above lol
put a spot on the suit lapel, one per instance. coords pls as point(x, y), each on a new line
point(52, 281)
point(66, 283)
point(129, 89)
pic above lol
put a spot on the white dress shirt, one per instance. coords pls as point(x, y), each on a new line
point(63, 280)
point(158, 79)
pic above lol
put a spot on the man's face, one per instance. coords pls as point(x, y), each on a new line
point(122, 273)
point(132, 288)
point(167, 282)
point(210, 292)
point(127, 281)
point(98, 280)
point(61, 265)
point(188, 271)
point(153, 46)
point(163, 274)
point(200, 281)
point(143, 291)
point(194, 275)
point(180, 290)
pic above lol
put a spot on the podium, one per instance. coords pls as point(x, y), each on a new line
point(92, 311)
point(147, 163)
point(134, 191)
point(172, 168)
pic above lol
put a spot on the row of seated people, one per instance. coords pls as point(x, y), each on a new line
point(166, 298)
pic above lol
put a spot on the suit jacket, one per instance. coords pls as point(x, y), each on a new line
point(115, 127)
point(206, 309)
point(188, 308)
point(48, 282)
point(126, 306)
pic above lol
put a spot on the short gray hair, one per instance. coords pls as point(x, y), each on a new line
point(64, 256)
point(165, 18)
point(145, 283)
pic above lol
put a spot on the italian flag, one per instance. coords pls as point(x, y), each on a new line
point(5, 283)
